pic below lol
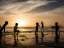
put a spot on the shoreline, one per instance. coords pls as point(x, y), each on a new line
point(9, 36)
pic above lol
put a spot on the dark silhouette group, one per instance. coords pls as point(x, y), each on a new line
point(56, 27)
point(3, 28)
point(16, 31)
point(42, 30)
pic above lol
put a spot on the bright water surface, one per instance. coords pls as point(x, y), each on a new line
point(28, 38)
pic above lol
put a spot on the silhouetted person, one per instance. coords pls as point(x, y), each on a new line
point(36, 32)
point(42, 26)
point(15, 30)
point(56, 33)
point(6, 23)
point(42, 30)
point(2, 28)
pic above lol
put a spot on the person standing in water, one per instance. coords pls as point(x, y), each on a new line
point(36, 32)
point(42, 30)
point(56, 33)
point(15, 30)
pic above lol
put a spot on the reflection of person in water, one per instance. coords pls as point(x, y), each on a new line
point(15, 42)
point(15, 30)
point(36, 32)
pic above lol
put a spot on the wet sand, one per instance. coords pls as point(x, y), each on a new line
point(27, 40)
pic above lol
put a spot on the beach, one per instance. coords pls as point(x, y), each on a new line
point(27, 40)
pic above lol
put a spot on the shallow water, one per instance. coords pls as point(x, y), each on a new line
point(29, 38)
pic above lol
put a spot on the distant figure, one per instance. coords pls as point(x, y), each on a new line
point(56, 33)
point(2, 28)
point(42, 30)
point(15, 30)
point(42, 26)
point(36, 32)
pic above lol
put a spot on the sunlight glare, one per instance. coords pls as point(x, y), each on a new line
point(21, 23)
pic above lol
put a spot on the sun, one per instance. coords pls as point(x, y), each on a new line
point(21, 22)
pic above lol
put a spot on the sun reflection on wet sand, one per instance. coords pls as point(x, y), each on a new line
point(28, 38)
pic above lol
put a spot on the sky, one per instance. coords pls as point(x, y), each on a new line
point(28, 12)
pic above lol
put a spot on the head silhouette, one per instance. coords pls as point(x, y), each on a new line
point(6, 22)
point(42, 22)
point(37, 23)
point(56, 24)
point(16, 24)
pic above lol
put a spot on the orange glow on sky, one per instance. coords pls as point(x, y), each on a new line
point(21, 22)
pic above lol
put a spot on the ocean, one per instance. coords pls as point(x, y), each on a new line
point(27, 36)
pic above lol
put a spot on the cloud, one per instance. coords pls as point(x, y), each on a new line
point(3, 2)
point(21, 0)
point(33, 7)
point(48, 7)
point(21, 6)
